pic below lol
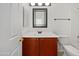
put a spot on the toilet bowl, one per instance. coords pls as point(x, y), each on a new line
point(70, 50)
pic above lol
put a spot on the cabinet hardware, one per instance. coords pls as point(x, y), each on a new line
point(20, 40)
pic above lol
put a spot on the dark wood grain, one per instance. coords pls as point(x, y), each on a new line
point(40, 47)
point(30, 47)
point(48, 47)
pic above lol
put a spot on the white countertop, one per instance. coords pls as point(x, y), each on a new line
point(43, 34)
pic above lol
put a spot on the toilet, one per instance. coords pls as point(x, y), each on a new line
point(70, 50)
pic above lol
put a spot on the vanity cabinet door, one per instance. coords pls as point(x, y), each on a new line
point(48, 46)
point(30, 47)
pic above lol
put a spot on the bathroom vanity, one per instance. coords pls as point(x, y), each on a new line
point(39, 46)
point(37, 42)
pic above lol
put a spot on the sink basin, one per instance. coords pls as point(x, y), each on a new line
point(38, 34)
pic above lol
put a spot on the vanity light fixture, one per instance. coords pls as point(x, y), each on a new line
point(47, 4)
point(43, 4)
point(39, 4)
point(32, 4)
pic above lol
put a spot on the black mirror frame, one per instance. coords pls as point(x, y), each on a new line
point(46, 18)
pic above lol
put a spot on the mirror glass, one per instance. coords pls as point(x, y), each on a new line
point(40, 18)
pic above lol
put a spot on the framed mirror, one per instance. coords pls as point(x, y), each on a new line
point(39, 17)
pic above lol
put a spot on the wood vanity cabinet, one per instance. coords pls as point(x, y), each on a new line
point(30, 47)
point(39, 46)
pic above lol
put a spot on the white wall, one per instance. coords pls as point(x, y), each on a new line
point(4, 26)
point(10, 27)
point(70, 28)
point(75, 25)
point(62, 27)
point(61, 11)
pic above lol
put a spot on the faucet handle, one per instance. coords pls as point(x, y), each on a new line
point(39, 32)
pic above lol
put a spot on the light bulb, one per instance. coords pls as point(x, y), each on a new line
point(32, 4)
point(46, 4)
point(40, 4)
